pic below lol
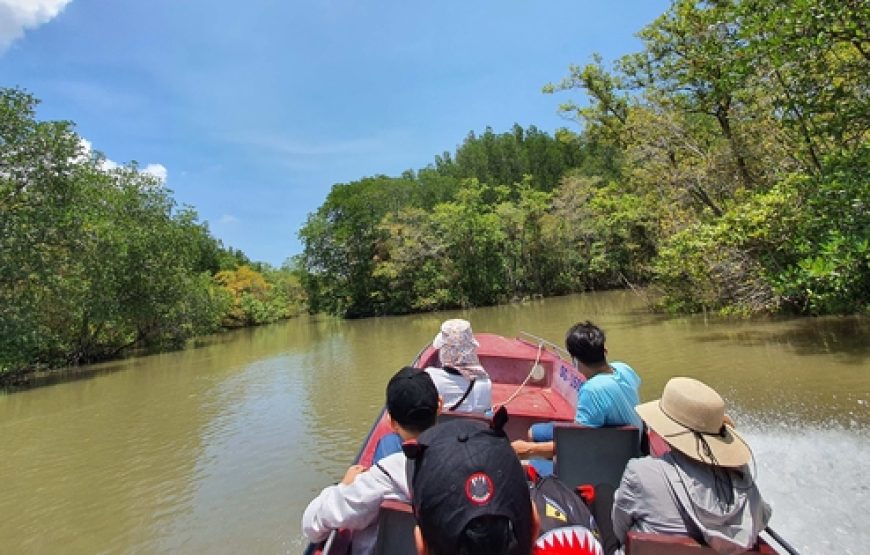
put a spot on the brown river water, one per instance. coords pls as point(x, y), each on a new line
point(218, 448)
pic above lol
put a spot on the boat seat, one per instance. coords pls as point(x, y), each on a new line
point(640, 543)
point(594, 456)
point(396, 529)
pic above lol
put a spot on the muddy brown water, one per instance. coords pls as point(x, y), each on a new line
point(218, 448)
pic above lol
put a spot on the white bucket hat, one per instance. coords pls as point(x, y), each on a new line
point(456, 344)
point(690, 417)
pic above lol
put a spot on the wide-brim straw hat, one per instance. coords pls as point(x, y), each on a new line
point(690, 417)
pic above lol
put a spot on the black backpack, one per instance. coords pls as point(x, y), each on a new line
point(559, 506)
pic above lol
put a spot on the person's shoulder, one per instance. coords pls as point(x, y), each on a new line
point(388, 474)
point(393, 460)
point(620, 366)
point(436, 373)
point(644, 466)
point(643, 473)
point(625, 371)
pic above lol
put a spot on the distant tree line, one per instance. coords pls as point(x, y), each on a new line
point(726, 164)
point(96, 262)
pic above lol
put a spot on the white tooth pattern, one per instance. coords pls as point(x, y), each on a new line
point(574, 537)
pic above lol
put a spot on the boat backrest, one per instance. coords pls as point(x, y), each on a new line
point(396, 529)
point(447, 416)
point(594, 456)
point(640, 543)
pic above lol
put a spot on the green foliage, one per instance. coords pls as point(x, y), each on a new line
point(803, 247)
point(726, 161)
point(445, 238)
point(256, 298)
point(743, 128)
point(340, 242)
point(512, 157)
point(94, 262)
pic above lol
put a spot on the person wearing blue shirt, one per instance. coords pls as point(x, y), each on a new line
point(606, 398)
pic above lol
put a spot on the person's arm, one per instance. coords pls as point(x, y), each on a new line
point(526, 449)
point(354, 505)
point(625, 503)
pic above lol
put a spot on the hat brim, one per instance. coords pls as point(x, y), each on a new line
point(725, 450)
point(438, 342)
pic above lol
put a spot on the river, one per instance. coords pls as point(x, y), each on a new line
point(218, 448)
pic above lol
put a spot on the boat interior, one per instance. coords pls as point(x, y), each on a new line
point(536, 384)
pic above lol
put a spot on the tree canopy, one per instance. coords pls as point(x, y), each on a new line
point(725, 164)
point(95, 262)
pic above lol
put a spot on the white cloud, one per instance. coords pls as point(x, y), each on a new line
point(157, 170)
point(16, 16)
point(229, 219)
point(87, 148)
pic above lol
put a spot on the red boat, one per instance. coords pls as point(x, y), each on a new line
point(536, 381)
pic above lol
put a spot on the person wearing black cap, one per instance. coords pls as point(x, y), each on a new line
point(412, 405)
point(469, 491)
point(471, 495)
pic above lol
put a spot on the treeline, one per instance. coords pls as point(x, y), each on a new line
point(96, 261)
point(492, 223)
point(726, 164)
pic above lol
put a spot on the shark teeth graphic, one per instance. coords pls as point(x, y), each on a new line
point(568, 540)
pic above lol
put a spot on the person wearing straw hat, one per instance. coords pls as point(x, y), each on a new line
point(703, 487)
point(462, 382)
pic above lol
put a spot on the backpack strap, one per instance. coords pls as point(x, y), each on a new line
point(464, 395)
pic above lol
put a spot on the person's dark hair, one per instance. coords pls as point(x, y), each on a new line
point(485, 535)
point(585, 342)
point(412, 399)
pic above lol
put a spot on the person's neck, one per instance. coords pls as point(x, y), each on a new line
point(600, 368)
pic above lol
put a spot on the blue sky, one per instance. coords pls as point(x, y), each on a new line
point(255, 109)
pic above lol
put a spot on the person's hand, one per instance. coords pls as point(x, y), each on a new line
point(522, 448)
point(730, 421)
point(352, 473)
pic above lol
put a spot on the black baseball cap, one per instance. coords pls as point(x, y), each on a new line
point(463, 469)
point(412, 399)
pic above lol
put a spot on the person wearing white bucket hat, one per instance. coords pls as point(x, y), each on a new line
point(703, 486)
point(462, 382)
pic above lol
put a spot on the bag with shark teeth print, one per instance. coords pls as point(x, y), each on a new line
point(567, 524)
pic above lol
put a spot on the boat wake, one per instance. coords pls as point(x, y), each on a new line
point(816, 480)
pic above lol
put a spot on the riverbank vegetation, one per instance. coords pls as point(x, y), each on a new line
point(96, 261)
point(726, 165)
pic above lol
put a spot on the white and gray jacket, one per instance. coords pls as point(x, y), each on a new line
point(356, 506)
point(677, 495)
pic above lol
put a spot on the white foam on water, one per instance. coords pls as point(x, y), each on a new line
point(818, 481)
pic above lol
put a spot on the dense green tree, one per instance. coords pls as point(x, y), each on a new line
point(94, 262)
point(712, 162)
point(508, 158)
point(340, 240)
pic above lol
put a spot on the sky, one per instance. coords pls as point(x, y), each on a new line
point(251, 111)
